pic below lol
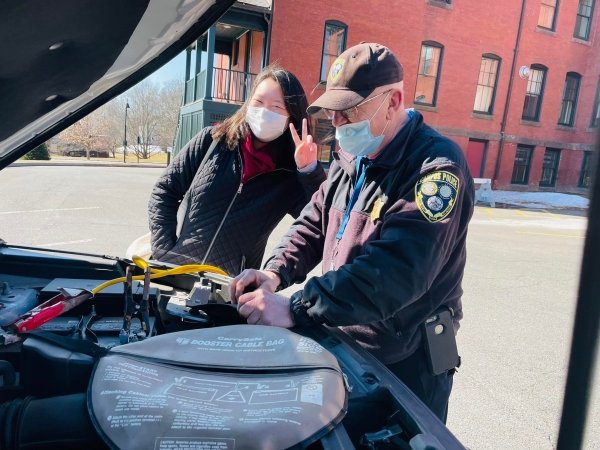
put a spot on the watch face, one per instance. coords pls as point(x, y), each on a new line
point(299, 307)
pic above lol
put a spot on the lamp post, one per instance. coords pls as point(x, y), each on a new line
point(125, 135)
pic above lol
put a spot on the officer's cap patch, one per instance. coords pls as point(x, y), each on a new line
point(336, 69)
point(435, 195)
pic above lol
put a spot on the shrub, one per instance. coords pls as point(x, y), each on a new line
point(38, 153)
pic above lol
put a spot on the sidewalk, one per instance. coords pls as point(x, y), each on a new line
point(539, 200)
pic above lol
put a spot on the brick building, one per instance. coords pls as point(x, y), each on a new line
point(514, 83)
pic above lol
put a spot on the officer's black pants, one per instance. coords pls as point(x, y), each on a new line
point(433, 390)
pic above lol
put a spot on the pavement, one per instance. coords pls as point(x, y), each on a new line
point(539, 200)
point(503, 199)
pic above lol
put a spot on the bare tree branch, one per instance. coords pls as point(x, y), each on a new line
point(151, 121)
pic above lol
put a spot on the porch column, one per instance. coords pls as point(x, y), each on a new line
point(210, 55)
point(198, 64)
point(199, 54)
point(188, 57)
point(188, 62)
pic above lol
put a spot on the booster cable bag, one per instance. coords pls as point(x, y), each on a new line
point(231, 387)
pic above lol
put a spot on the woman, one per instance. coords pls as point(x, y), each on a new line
point(234, 182)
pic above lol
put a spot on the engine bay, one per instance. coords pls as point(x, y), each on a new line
point(54, 359)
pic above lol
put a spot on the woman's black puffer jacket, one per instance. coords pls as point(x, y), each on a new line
point(217, 214)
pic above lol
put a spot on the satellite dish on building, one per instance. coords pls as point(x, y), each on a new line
point(523, 72)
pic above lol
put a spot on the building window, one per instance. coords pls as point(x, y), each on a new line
point(585, 177)
point(569, 100)
point(486, 84)
point(324, 134)
point(584, 19)
point(430, 64)
point(534, 93)
point(550, 167)
point(334, 43)
point(520, 173)
point(596, 111)
point(547, 17)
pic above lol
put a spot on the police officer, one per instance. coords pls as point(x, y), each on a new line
point(390, 226)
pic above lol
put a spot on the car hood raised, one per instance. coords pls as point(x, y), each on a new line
point(62, 59)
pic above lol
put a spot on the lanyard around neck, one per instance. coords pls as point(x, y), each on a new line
point(361, 172)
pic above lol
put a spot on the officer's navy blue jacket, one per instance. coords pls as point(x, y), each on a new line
point(402, 253)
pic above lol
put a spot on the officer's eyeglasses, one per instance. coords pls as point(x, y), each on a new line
point(351, 113)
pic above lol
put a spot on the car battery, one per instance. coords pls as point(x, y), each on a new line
point(108, 303)
point(107, 330)
point(64, 326)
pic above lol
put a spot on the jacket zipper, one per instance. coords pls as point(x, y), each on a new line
point(238, 192)
point(212, 242)
point(337, 241)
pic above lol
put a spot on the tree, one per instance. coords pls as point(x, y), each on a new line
point(86, 133)
point(153, 115)
point(38, 153)
point(113, 123)
point(171, 98)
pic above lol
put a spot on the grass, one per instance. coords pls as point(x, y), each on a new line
point(158, 158)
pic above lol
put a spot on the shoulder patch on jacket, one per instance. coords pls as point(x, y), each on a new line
point(435, 194)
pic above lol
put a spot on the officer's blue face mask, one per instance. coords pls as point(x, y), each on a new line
point(357, 139)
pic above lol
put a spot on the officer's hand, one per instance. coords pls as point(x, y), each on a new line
point(255, 279)
point(261, 307)
point(306, 149)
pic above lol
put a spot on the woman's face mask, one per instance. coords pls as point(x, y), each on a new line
point(265, 125)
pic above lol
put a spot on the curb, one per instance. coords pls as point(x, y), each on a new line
point(88, 163)
point(546, 208)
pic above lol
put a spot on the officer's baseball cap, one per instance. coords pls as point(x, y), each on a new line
point(355, 74)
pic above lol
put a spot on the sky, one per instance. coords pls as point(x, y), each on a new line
point(173, 70)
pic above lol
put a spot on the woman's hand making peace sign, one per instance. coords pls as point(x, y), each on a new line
point(306, 149)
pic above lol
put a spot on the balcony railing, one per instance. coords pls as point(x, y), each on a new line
point(189, 91)
point(229, 86)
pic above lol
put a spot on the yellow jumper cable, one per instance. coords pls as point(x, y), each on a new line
point(159, 273)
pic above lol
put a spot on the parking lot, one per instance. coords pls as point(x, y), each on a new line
point(520, 289)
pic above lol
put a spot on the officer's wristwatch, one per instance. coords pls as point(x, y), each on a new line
point(299, 307)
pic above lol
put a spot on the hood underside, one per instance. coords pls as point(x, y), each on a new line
point(64, 58)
